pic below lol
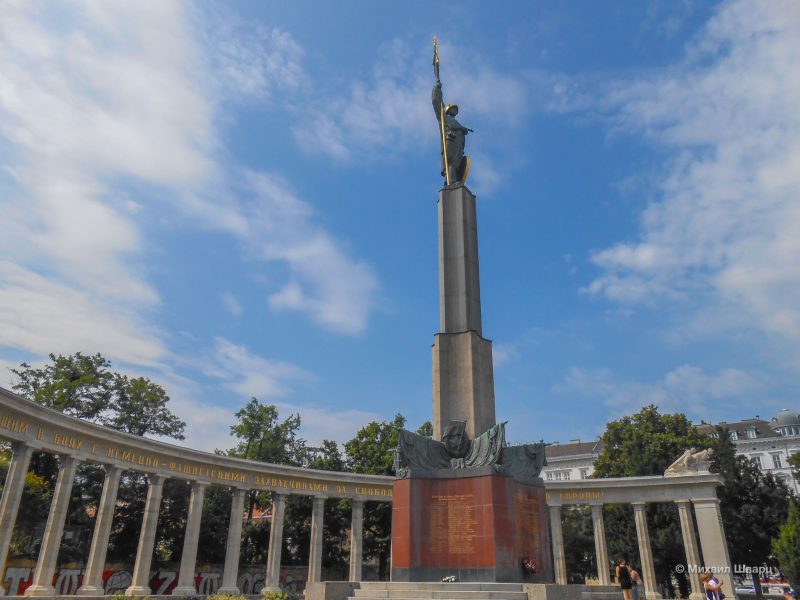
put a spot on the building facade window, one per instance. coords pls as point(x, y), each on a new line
point(776, 461)
point(734, 435)
point(584, 473)
point(757, 461)
point(751, 433)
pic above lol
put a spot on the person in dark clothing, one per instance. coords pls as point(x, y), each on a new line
point(624, 579)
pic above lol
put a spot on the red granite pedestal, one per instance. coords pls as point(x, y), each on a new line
point(477, 527)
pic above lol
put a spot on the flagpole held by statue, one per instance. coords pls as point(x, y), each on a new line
point(455, 164)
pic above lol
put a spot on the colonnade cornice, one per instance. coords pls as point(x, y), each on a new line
point(50, 431)
point(627, 490)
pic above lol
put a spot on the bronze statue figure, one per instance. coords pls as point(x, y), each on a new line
point(455, 165)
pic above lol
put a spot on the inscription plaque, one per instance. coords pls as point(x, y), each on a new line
point(453, 524)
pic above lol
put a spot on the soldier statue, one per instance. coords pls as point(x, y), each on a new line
point(455, 165)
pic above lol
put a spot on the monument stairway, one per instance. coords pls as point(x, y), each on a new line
point(374, 590)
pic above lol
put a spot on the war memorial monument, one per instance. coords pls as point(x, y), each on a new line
point(466, 505)
point(471, 518)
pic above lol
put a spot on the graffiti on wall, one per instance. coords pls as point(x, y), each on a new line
point(67, 579)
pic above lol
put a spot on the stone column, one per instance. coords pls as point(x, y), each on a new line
point(272, 579)
point(93, 578)
point(231, 569)
point(712, 541)
point(356, 539)
point(51, 541)
point(140, 582)
point(645, 551)
point(559, 561)
point(690, 546)
point(9, 505)
point(463, 376)
point(600, 549)
point(317, 526)
point(186, 585)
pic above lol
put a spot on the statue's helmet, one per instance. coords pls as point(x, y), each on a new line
point(451, 109)
point(455, 439)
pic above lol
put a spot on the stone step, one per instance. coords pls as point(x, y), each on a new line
point(466, 586)
point(473, 592)
point(421, 594)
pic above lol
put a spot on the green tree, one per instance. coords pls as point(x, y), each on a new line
point(297, 522)
point(646, 443)
point(85, 387)
point(579, 543)
point(786, 547)
point(372, 451)
point(264, 438)
point(753, 505)
point(36, 496)
point(140, 408)
point(77, 385)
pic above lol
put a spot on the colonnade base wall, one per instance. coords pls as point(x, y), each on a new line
point(116, 578)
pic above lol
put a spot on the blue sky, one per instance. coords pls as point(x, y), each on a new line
point(239, 200)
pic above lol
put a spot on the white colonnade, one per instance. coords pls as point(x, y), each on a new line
point(31, 428)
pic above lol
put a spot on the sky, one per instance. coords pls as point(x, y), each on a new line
point(239, 199)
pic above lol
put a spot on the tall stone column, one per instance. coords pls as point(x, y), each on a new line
point(186, 585)
point(712, 540)
point(231, 570)
point(356, 539)
point(600, 548)
point(140, 582)
point(690, 546)
point(9, 505)
point(51, 541)
point(93, 578)
point(559, 560)
point(272, 582)
point(645, 551)
point(463, 377)
point(315, 551)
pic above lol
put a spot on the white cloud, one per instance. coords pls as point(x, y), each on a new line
point(336, 291)
point(722, 236)
point(390, 112)
point(320, 423)
point(82, 105)
point(100, 99)
point(687, 389)
point(248, 374)
point(231, 304)
point(253, 62)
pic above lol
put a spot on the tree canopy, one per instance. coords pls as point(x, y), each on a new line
point(646, 443)
point(753, 504)
point(84, 386)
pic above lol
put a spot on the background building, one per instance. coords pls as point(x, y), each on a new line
point(769, 444)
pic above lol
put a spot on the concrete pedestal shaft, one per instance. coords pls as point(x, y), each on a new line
point(645, 551)
point(690, 546)
point(463, 383)
point(557, 535)
point(51, 541)
point(712, 540)
point(186, 586)
point(12, 494)
point(356, 540)
point(600, 548)
point(231, 570)
point(140, 582)
point(93, 578)
point(315, 547)
point(272, 579)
